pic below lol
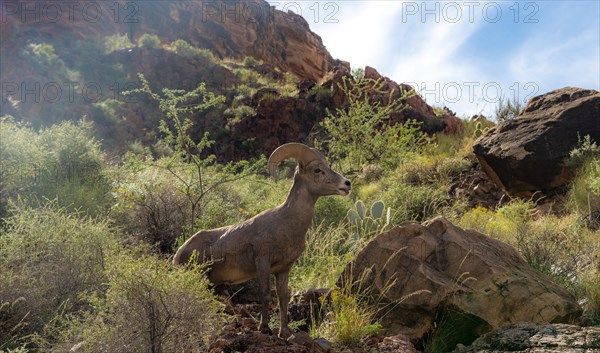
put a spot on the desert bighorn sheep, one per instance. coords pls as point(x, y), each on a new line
point(271, 241)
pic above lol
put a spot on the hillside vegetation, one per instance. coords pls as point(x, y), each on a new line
point(86, 238)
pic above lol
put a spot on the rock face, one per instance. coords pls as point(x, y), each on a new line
point(453, 285)
point(527, 154)
point(79, 57)
point(233, 28)
point(277, 120)
point(527, 337)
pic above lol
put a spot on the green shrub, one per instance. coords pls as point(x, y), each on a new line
point(433, 170)
point(362, 133)
point(349, 322)
point(148, 41)
point(507, 109)
point(358, 73)
point(192, 162)
point(248, 76)
point(183, 48)
point(21, 157)
point(414, 191)
point(591, 292)
point(244, 91)
point(116, 42)
point(44, 58)
point(149, 307)
point(150, 207)
point(250, 62)
point(235, 115)
point(414, 202)
point(558, 247)
point(48, 259)
point(290, 87)
point(320, 94)
point(585, 150)
point(63, 161)
point(105, 112)
point(584, 194)
point(73, 170)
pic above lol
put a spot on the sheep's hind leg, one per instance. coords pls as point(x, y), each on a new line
point(264, 291)
point(283, 297)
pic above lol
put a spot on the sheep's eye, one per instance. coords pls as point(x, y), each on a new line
point(317, 170)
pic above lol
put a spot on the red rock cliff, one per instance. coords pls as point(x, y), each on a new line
point(233, 28)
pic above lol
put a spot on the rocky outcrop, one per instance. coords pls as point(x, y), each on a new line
point(453, 125)
point(91, 79)
point(528, 337)
point(452, 285)
point(277, 120)
point(528, 154)
point(478, 189)
point(383, 90)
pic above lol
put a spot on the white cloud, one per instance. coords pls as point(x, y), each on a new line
point(356, 31)
point(430, 57)
point(433, 53)
point(363, 32)
point(404, 47)
point(555, 62)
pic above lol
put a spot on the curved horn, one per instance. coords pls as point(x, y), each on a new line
point(295, 150)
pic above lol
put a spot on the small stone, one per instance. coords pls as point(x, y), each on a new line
point(300, 338)
point(248, 323)
point(324, 344)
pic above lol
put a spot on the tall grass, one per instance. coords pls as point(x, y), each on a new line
point(584, 194)
point(561, 247)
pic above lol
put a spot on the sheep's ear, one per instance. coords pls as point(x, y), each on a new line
point(300, 165)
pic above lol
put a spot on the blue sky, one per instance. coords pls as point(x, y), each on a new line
point(465, 54)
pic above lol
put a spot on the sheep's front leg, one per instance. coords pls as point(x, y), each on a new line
point(283, 297)
point(264, 291)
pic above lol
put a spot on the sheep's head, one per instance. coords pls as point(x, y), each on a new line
point(312, 168)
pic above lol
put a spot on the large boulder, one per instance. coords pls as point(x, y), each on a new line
point(528, 337)
point(527, 154)
point(447, 285)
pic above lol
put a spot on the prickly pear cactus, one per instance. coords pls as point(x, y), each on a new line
point(375, 220)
